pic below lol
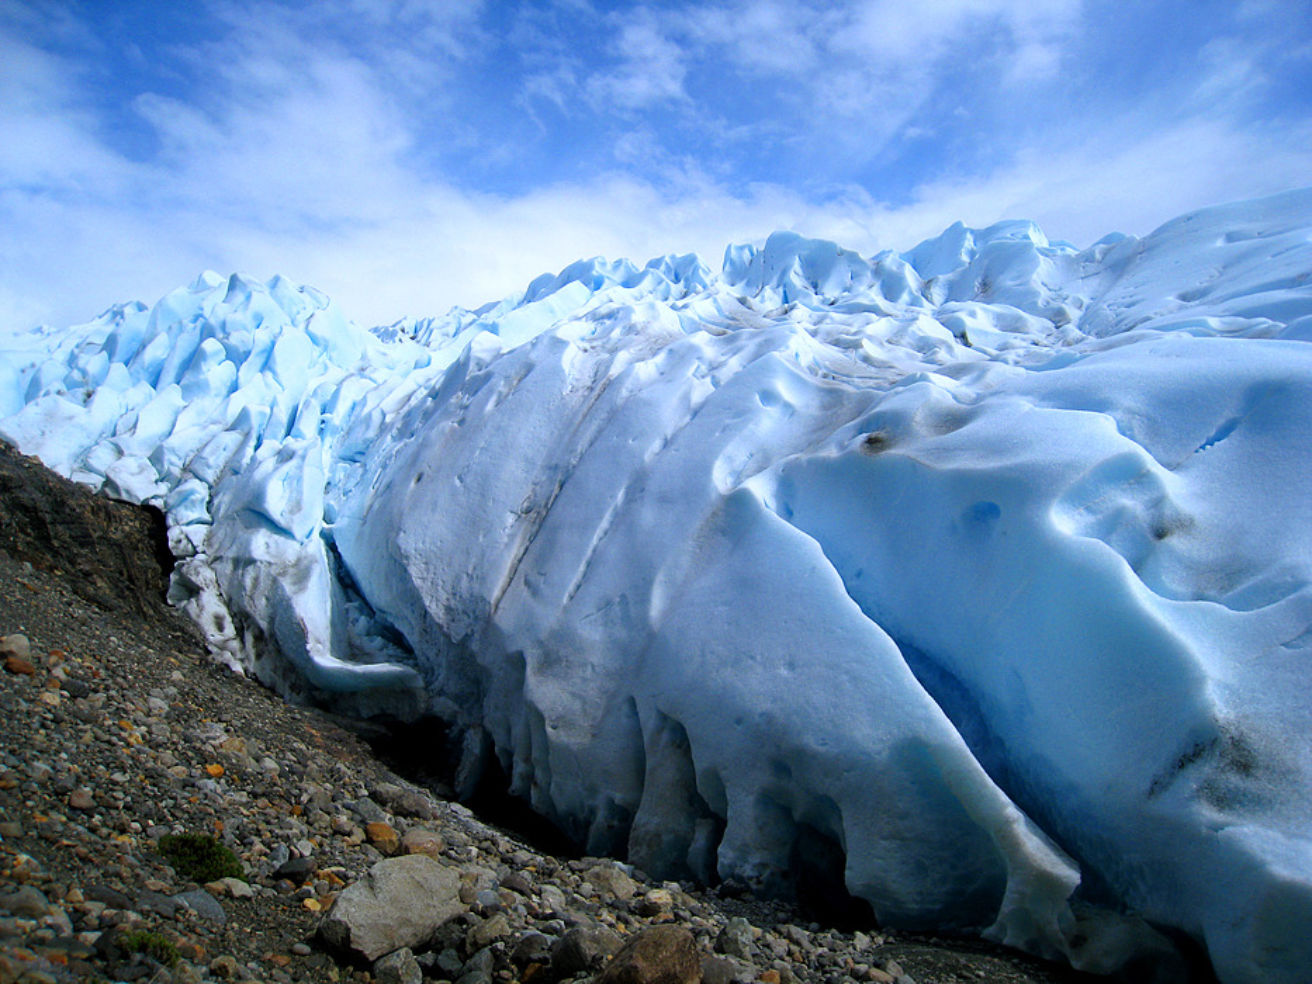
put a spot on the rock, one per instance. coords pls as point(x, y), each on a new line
point(655, 903)
point(487, 902)
point(383, 837)
point(400, 902)
point(420, 840)
point(553, 900)
point(736, 939)
point(107, 896)
point(26, 901)
point(582, 950)
point(16, 645)
point(658, 955)
point(204, 905)
point(81, 799)
point(19, 666)
point(487, 932)
point(224, 967)
point(237, 888)
point(475, 878)
point(406, 802)
point(368, 811)
point(517, 883)
point(448, 962)
point(725, 970)
point(117, 553)
point(10, 829)
point(279, 855)
point(295, 870)
point(158, 903)
point(233, 745)
point(75, 688)
point(531, 948)
point(478, 968)
point(796, 935)
point(610, 880)
point(398, 967)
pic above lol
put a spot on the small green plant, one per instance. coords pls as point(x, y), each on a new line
point(153, 945)
point(199, 858)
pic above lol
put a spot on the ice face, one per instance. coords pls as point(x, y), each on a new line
point(981, 571)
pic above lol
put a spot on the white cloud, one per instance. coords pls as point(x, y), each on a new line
point(320, 139)
point(766, 37)
point(899, 35)
point(556, 86)
point(48, 131)
point(855, 76)
point(651, 66)
point(1233, 73)
point(312, 163)
point(452, 246)
point(1120, 178)
point(379, 29)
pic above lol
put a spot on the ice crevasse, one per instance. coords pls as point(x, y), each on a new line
point(984, 569)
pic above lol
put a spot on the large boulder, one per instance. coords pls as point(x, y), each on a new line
point(400, 902)
point(583, 949)
point(659, 955)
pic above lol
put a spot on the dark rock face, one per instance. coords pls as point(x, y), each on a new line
point(116, 553)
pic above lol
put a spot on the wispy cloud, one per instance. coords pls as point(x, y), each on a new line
point(49, 128)
point(650, 67)
point(407, 156)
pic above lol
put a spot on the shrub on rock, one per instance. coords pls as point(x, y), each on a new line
point(199, 858)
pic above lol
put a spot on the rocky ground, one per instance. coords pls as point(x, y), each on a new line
point(116, 731)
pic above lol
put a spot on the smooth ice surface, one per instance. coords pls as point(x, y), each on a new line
point(985, 568)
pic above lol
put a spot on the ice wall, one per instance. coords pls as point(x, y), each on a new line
point(985, 565)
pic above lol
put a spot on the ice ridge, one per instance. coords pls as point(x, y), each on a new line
point(984, 566)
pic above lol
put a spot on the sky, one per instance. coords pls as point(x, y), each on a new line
point(408, 156)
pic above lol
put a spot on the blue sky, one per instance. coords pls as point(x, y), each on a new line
point(407, 156)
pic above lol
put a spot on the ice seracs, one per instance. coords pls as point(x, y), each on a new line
point(979, 575)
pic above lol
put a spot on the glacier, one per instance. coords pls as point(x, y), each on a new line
point(985, 568)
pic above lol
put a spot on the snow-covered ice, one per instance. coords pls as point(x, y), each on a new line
point(986, 567)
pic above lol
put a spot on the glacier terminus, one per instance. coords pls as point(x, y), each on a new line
point(983, 570)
